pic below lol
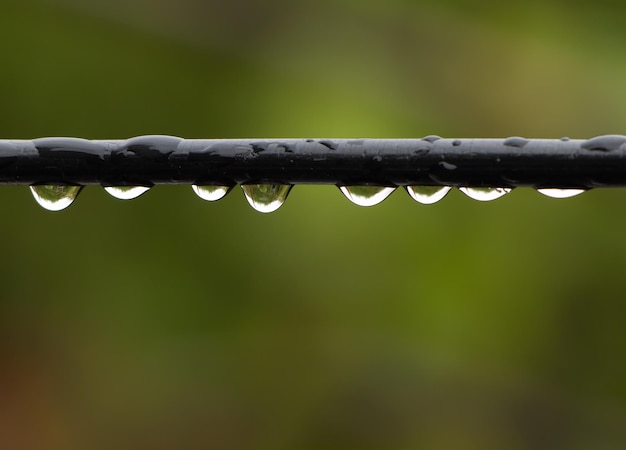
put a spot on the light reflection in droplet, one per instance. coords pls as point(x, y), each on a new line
point(266, 198)
point(210, 193)
point(560, 193)
point(366, 195)
point(484, 194)
point(55, 197)
point(427, 195)
point(126, 192)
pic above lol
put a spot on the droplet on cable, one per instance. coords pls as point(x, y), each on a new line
point(427, 194)
point(55, 197)
point(210, 193)
point(484, 194)
point(266, 198)
point(560, 193)
point(366, 195)
point(126, 192)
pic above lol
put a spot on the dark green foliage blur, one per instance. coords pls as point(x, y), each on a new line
point(168, 322)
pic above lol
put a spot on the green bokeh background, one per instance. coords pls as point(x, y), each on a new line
point(170, 322)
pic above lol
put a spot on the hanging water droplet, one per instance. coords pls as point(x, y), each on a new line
point(55, 197)
point(366, 195)
point(266, 198)
point(427, 194)
point(126, 192)
point(484, 194)
point(210, 193)
point(560, 193)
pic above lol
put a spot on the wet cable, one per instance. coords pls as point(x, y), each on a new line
point(430, 161)
point(366, 170)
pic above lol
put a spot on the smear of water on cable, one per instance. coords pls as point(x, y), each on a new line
point(55, 197)
point(126, 192)
point(266, 198)
point(210, 193)
point(366, 195)
point(560, 193)
point(484, 194)
point(427, 194)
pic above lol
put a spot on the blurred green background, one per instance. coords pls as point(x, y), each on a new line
point(171, 323)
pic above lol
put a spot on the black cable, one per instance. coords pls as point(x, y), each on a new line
point(430, 161)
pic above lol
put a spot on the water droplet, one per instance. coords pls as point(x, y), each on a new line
point(366, 195)
point(210, 193)
point(518, 142)
point(427, 194)
point(55, 197)
point(484, 194)
point(330, 145)
point(606, 143)
point(266, 198)
point(431, 139)
point(126, 192)
point(421, 152)
point(560, 193)
point(448, 166)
